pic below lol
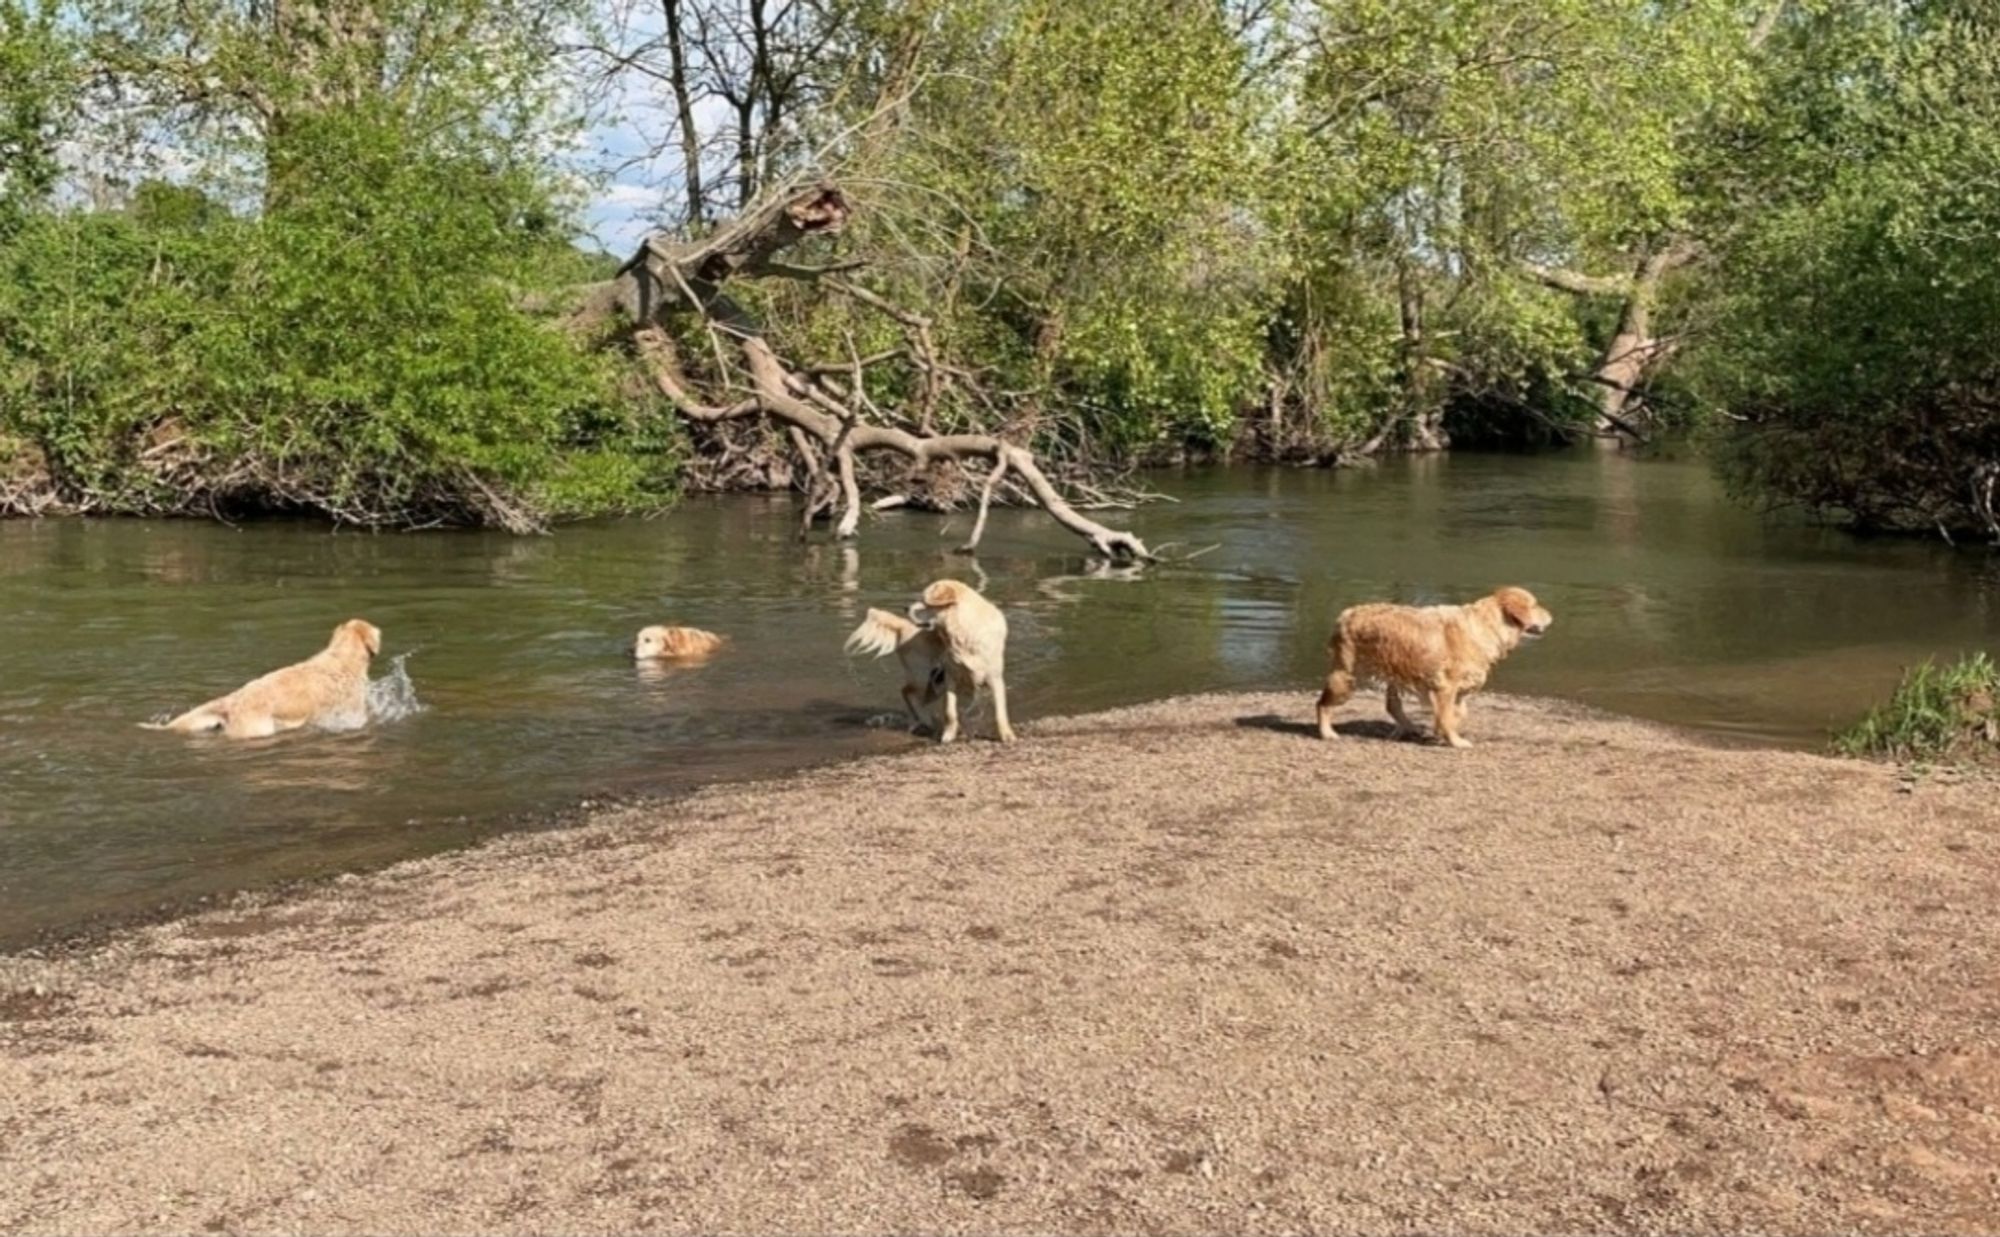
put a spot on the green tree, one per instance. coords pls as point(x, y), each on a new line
point(349, 339)
point(1853, 347)
point(38, 86)
point(1502, 189)
point(1062, 188)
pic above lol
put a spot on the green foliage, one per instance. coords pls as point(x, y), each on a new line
point(1857, 314)
point(1065, 199)
point(37, 90)
point(1437, 147)
point(354, 356)
point(1937, 712)
point(356, 347)
point(1133, 229)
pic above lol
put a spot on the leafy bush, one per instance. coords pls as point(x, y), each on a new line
point(359, 352)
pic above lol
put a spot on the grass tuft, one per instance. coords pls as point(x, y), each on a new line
point(1937, 712)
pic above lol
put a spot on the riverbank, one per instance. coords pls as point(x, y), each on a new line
point(1172, 967)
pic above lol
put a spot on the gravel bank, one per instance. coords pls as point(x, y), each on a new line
point(1179, 967)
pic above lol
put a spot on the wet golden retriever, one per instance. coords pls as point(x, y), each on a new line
point(953, 643)
point(1444, 652)
point(919, 649)
point(677, 642)
point(328, 690)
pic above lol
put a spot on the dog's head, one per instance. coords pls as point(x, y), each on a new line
point(937, 598)
point(358, 632)
point(660, 641)
point(655, 642)
point(1520, 609)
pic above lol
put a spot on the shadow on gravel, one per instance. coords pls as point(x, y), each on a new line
point(1306, 730)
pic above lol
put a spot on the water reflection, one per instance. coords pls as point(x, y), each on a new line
point(1671, 604)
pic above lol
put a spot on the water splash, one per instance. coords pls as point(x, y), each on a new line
point(393, 696)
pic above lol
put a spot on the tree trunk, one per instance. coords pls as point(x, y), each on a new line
point(690, 131)
point(1634, 352)
point(1425, 411)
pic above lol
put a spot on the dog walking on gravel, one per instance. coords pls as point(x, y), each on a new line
point(1443, 652)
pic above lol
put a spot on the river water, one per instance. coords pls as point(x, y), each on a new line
point(1670, 603)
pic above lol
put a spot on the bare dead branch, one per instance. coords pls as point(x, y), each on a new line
point(664, 278)
point(1576, 282)
point(993, 480)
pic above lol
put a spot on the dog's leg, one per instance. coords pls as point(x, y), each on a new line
point(250, 726)
point(1339, 681)
point(1444, 707)
point(912, 694)
point(1000, 709)
point(1339, 686)
point(950, 730)
point(1404, 726)
point(200, 720)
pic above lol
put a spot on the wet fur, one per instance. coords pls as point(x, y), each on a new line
point(921, 652)
point(953, 644)
point(1441, 652)
point(328, 690)
point(680, 642)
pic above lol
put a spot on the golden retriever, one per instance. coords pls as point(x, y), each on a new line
point(679, 642)
point(1442, 651)
point(920, 650)
point(954, 643)
point(328, 690)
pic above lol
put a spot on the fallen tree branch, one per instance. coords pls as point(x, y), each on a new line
point(1576, 282)
point(993, 480)
point(665, 279)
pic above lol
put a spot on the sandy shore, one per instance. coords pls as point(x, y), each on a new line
point(1177, 968)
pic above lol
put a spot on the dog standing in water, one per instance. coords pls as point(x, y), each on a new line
point(328, 690)
point(954, 643)
point(1444, 652)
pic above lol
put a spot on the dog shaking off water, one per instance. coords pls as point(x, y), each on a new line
point(953, 644)
point(328, 690)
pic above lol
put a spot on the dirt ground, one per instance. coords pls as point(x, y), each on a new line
point(1173, 968)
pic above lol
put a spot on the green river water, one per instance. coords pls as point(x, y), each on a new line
point(1670, 603)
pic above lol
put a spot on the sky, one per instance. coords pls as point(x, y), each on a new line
point(627, 202)
point(625, 187)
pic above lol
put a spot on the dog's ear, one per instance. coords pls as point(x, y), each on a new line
point(368, 633)
point(941, 594)
point(1517, 606)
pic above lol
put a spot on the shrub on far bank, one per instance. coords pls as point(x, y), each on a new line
point(358, 353)
point(1937, 713)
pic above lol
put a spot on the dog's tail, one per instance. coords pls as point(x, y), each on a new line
point(194, 721)
point(880, 634)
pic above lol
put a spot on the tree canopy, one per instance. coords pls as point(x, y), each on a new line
point(314, 255)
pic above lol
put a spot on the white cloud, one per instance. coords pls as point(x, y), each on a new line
point(620, 215)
